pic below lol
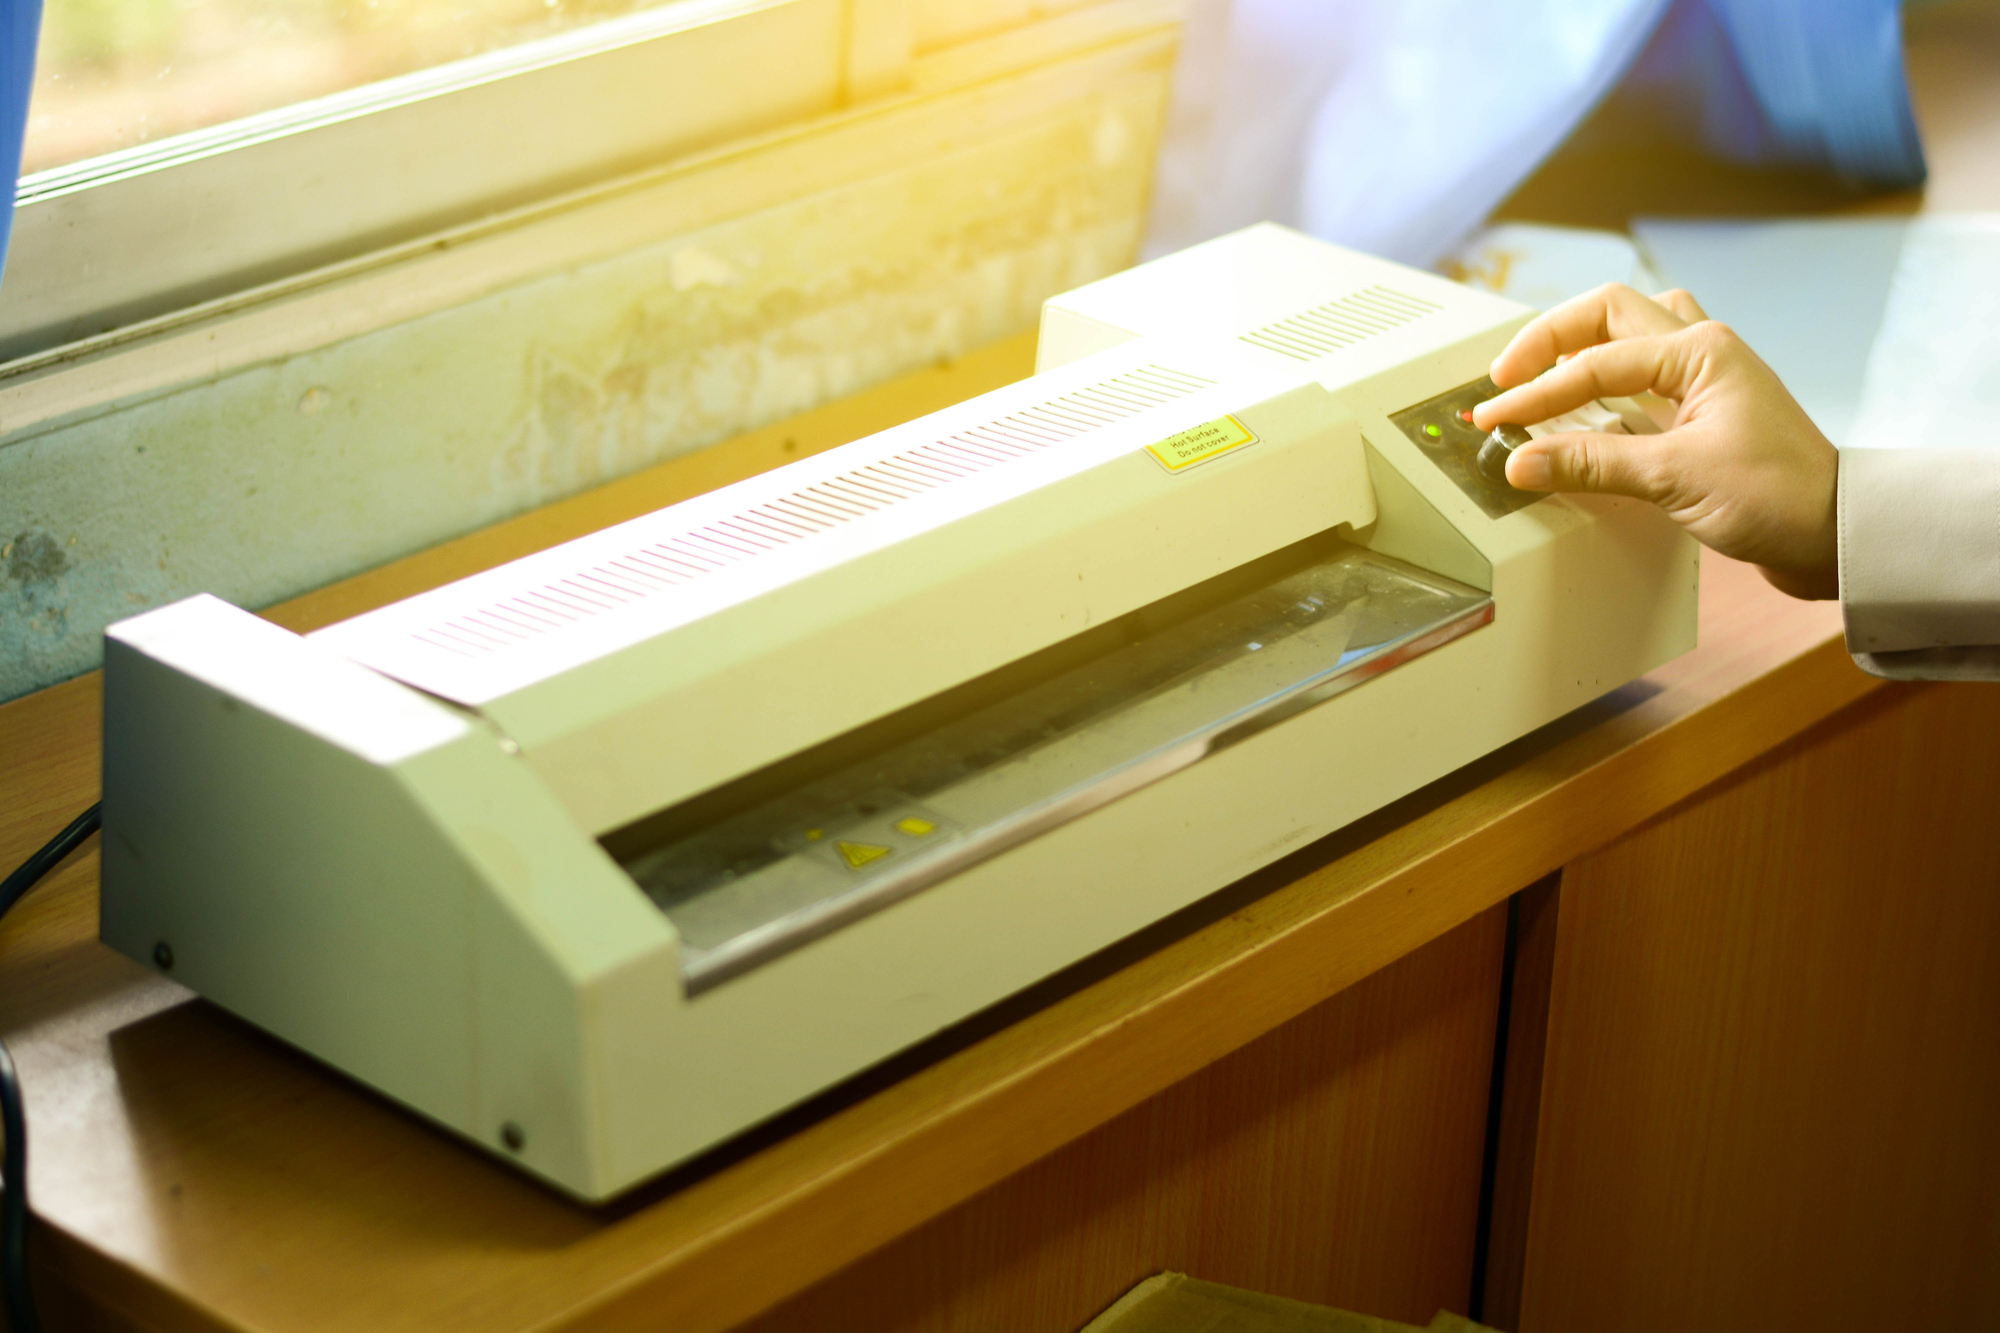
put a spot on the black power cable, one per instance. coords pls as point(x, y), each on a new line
point(20, 1303)
point(42, 862)
point(14, 1203)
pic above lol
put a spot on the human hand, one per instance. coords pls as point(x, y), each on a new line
point(1742, 467)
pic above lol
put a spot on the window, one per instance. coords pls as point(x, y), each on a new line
point(161, 224)
point(185, 155)
point(111, 74)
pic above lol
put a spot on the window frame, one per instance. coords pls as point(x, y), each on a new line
point(131, 236)
point(86, 326)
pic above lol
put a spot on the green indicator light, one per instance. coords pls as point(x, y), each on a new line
point(1433, 432)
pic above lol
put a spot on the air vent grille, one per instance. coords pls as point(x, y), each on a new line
point(676, 561)
point(1328, 328)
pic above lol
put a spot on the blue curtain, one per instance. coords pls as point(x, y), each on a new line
point(23, 20)
point(1803, 84)
point(1397, 128)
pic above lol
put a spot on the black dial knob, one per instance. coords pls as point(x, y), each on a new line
point(1495, 450)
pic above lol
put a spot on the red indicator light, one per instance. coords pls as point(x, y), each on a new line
point(1465, 416)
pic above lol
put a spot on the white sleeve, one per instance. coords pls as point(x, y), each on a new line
point(1920, 561)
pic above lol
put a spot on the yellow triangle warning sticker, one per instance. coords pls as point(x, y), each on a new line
point(859, 854)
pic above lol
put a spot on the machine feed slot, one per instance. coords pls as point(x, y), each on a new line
point(783, 856)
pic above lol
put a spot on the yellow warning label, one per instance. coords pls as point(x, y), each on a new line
point(1198, 444)
point(915, 827)
point(859, 854)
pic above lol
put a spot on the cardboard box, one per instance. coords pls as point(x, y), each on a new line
point(1177, 1303)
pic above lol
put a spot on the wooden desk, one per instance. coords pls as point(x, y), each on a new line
point(1748, 1072)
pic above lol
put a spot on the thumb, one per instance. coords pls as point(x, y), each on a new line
point(1586, 461)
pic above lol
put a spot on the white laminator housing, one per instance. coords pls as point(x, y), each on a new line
point(606, 854)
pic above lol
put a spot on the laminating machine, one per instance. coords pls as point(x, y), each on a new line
point(600, 857)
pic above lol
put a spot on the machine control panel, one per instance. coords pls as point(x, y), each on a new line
point(1442, 427)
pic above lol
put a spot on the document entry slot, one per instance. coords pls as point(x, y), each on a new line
point(783, 856)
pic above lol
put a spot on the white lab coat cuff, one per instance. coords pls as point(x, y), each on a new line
point(1919, 534)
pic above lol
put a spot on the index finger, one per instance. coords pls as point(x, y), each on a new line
point(1661, 363)
point(1607, 314)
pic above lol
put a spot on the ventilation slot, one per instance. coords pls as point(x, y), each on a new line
point(789, 519)
point(1328, 328)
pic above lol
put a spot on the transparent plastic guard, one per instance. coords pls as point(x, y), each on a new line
point(777, 859)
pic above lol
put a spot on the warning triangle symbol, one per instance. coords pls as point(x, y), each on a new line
point(859, 854)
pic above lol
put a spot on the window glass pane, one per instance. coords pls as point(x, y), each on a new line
point(115, 73)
